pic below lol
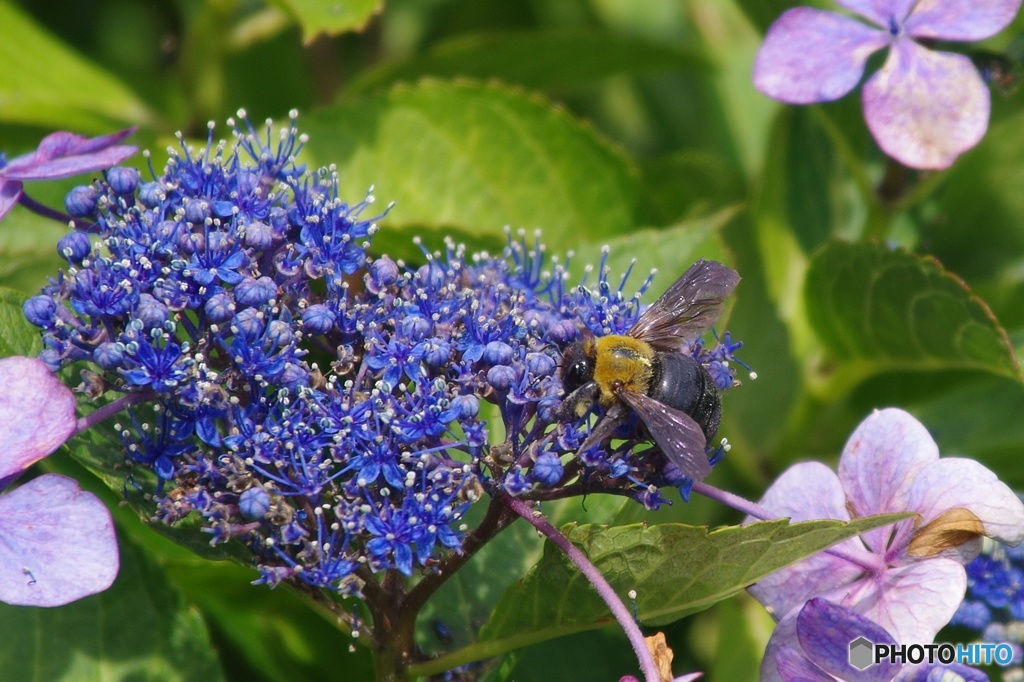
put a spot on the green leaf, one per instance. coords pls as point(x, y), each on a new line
point(139, 629)
point(738, 656)
point(17, 336)
point(762, 13)
point(478, 158)
point(332, 18)
point(980, 419)
point(897, 310)
point(670, 250)
point(675, 569)
point(271, 635)
point(28, 250)
point(43, 83)
point(553, 59)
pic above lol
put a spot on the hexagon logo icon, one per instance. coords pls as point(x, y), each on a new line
point(862, 653)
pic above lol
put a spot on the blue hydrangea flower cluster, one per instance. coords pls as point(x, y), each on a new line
point(994, 605)
point(329, 408)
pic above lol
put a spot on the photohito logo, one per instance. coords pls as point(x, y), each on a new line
point(864, 653)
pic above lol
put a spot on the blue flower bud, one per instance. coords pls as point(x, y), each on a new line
point(497, 353)
point(255, 292)
point(548, 469)
point(562, 332)
point(547, 409)
point(254, 503)
point(516, 483)
point(294, 376)
point(151, 312)
point(219, 308)
point(416, 327)
point(279, 222)
point(382, 273)
point(197, 211)
point(152, 194)
point(465, 406)
point(51, 359)
point(436, 352)
point(501, 377)
point(40, 310)
point(170, 294)
point(280, 333)
point(172, 233)
point(540, 364)
point(317, 319)
point(259, 235)
point(109, 355)
point(248, 324)
point(123, 179)
point(81, 201)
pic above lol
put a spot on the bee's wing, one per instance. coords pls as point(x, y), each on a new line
point(676, 433)
point(687, 308)
point(605, 427)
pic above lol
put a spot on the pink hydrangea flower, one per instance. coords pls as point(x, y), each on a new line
point(908, 578)
point(57, 542)
point(924, 107)
point(60, 155)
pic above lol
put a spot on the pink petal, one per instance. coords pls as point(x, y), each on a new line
point(965, 20)
point(954, 482)
point(63, 154)
point(806, 491)
point(882, 12)
point(57, 543)
point(56, 145)
point(37, 413)
point(793, 665)
point(783, 637)
point(788, 589)
point(10, 192)
point(809, 55)
point(925, 108)
point(825, 631)
point(879, 463)
point(912, 602)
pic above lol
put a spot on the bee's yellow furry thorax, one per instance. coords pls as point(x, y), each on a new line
point(622, 362)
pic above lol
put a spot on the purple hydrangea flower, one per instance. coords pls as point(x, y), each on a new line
point(57, 542)
point(819, 651)
point(60, 155)
point(819, 646)
point(924, 107)
point(908, 578)
point(319, 406)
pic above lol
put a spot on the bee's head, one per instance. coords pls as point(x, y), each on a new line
point(578, 364)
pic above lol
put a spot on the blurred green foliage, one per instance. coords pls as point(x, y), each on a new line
point(597, 122)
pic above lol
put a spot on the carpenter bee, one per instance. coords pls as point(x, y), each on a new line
point(647, 372)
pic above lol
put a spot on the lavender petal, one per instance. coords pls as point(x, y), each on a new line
point(810, 55)
point(37, 413)
point(925, 108)
point(966, 20)
point(59, 543)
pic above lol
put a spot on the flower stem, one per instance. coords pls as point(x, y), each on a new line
point(110, 409)
point(869, 561)
point(45, 211)
point(618, 609)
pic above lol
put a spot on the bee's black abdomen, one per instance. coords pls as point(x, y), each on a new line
point(684, 384)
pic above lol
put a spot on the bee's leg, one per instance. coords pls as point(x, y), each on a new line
point(579, 402)
point(615, 417)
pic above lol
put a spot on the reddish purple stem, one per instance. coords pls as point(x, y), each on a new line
point(618, 609)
